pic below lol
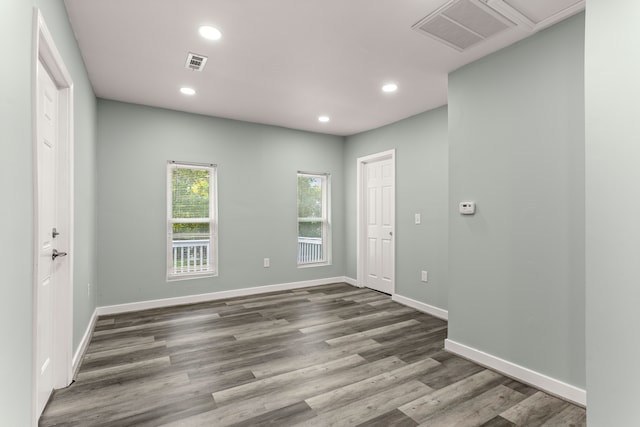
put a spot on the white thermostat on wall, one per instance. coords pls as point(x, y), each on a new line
point(467, 208)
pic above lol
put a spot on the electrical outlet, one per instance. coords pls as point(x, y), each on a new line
point(266, 263)
point(88, 289)
point(417, 219)
point(424, 276)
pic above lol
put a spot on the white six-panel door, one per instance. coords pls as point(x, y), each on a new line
point(379, 211)
point(52, 91)
point(46, 269)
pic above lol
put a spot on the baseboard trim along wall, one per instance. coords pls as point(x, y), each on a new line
point(84, 343)
point(421, 306)
point(192, 299)
point(550, 385)
point(520, 373)
point(352, 282)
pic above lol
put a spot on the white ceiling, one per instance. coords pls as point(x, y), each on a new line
point(279, 62)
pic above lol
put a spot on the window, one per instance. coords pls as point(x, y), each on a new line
point(191, 221)
point(313, 219)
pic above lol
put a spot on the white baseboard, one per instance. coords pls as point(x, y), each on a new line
point(420, 306)
point(192, 299)
point(351, 281)
point(520, 373)
point(84, 343)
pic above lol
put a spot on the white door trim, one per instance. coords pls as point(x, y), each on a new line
point(45, 52)
point(360, 214)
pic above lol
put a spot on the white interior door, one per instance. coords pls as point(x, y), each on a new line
point(379, 212)
point(47, 154)
point(53, 219)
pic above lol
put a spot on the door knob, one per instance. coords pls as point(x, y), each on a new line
point(56, 254)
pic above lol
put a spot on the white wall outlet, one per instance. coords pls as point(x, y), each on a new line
point(424, 276)
point(266, 263)
point(417, 219)
point(88, 289)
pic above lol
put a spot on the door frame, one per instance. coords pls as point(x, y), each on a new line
point(45, 52)
point(361, 227)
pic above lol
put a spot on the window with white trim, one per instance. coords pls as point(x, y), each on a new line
point(314, 219)
point(192, 249)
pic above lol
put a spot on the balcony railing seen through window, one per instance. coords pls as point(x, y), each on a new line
point(192, 256)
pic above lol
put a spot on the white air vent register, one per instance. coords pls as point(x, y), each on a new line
point(462, 24)
point(195, 62)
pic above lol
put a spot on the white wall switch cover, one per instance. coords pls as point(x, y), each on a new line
point(417, 219)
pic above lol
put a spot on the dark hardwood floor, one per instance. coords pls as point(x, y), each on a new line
point(331, 355)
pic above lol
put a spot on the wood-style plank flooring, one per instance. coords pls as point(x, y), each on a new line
point(331, 355)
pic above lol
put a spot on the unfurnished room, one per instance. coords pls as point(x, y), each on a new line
point(320, 213)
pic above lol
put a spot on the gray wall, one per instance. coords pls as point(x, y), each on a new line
point(257, 199)
point(16, 253)
point(516, 268)
point(16, 213)
point(613, 233)
point(421, 187)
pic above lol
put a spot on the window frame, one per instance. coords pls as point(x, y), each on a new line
point(212, 220)
point(325, 219)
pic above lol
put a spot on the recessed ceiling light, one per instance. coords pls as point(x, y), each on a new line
point(323, 119)
point(390, 87)
point(187, 91)
point(210, 33)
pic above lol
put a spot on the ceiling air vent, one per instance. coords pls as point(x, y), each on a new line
point(461, 24)
point(195, 62)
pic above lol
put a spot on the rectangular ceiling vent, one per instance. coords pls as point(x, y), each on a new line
point(195, 62)
point(539, 14)
point(462, 24)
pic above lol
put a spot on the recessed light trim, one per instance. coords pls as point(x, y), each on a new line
point(324, 119)
point(187, 91)
point(390, 87)
point(209, 32)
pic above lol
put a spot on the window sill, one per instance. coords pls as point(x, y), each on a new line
point(314, 264)
point(189, 276)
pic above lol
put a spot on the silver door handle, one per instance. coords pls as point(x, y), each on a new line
point(56, 254)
